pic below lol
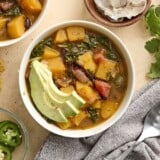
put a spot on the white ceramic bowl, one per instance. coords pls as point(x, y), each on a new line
point(31, 29)
point(91, 131)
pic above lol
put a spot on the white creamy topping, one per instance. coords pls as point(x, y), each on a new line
point(119, 9)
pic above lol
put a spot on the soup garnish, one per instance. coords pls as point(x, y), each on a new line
point(85, 62)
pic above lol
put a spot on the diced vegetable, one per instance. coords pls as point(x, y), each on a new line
point(3, 22)
point(61, 36)
point(99, 56)
point(65, 125)
point(57, 67)
point(80, 75)
point(86, 92)
point(87, 62)
point(105, 68)
point(75, 33)
point(97, 104)
point(79, 118)
point(6, 5)
point(16, 27)
point(108, 108)
point(31, 6)
point(68, 89)
point(49, 53)
point(103, 88)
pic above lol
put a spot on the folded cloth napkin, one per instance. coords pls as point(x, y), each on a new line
point(114, 140)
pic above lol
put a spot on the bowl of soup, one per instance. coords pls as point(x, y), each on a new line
point(18, 18)
point(76, 78)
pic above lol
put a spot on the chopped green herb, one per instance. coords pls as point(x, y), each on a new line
point(108, 76)
point(93, 113)
point(14, 11)
point(119, 81)
point(112, 55)
point(94, 41)
point(38, 49)
point(152, 19)
point(73, 50)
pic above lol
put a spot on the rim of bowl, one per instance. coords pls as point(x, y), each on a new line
point(30, 30)
point(23, 128)
point(98, 16)
point(100, 127)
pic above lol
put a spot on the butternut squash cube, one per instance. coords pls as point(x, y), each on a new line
point(67, 89)
point(16, 27)
point(87, 62)
point(87, 92)
point(31, 6)
point(79, 118)
point(3, 22)
point(75, 33)
point(106, 68)
point(49, 53)
point(57, 67)
point(108, 108)
point(97, 104)
point(61, 36)
point(65, 125)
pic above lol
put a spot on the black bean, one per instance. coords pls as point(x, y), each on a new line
point(1, 12)
point(28, 23)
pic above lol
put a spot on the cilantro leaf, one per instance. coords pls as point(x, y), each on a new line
point(153, 45)
point(157, 11)
point(155, 70)
point(157, 56)
point(153, 21)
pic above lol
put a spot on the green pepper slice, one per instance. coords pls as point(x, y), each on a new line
point(2, 123)
point(10, 134)
point(5, 153)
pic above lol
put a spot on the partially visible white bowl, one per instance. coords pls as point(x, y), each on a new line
point(30, 30)
point(91, 131)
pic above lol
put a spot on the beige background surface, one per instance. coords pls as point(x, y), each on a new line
point(133, 36)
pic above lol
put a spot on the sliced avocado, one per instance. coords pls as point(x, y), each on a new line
point(38, 95)
point(60, 96)
point(49, 100)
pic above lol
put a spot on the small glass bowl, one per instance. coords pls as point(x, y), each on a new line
point(21, 151)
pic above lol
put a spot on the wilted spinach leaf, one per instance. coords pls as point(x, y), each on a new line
point(38, 49)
